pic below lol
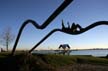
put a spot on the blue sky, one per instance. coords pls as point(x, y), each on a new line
point(84, 12)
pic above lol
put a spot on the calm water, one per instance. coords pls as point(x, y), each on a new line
point(90, 52)
point(96, 53)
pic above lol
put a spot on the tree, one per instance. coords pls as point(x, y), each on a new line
point(6, 37)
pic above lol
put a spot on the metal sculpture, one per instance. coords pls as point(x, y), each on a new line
point(65, 49)
point(68, 30)
point(45, 24)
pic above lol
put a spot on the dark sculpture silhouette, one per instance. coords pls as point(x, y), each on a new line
point(65, 48)
point(82, 30)
point(68, 30)
point(45, 24)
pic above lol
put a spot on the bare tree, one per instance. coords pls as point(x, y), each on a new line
point(6, 37)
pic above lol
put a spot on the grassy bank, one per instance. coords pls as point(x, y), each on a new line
point(38, 62)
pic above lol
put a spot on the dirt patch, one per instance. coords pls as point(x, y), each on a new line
point(83, 67)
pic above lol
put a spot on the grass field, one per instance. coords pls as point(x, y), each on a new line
point(51, 62)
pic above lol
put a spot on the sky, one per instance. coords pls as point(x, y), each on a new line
point(84, 12)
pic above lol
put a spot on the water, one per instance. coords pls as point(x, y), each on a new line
point(95, 53)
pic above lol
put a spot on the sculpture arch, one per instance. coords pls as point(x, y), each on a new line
point(44, 25)
point(65, 49)
point(68, 31)
point(47, 22)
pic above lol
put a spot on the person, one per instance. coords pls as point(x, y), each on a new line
point(63, 26)
point(75, 27)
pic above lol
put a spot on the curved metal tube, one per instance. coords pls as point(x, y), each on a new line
point(70, 32)
point(45, 24)
point(55, 30)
